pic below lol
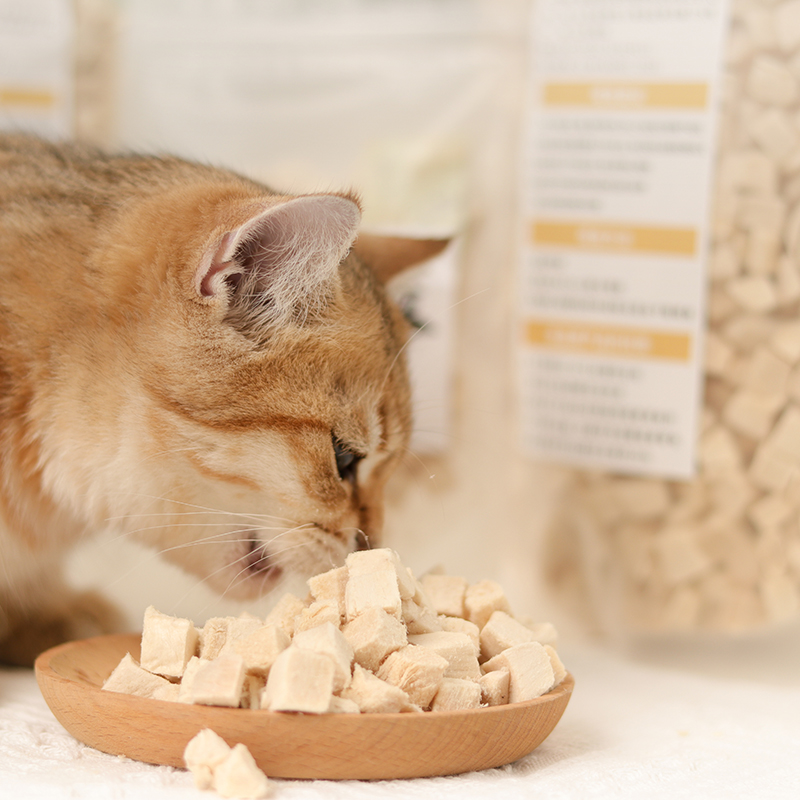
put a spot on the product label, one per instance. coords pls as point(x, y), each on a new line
point(36, 66)
point(618, 157)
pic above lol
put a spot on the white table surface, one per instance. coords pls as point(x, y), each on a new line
point(633, 729)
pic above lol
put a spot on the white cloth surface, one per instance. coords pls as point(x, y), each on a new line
point(631, 730)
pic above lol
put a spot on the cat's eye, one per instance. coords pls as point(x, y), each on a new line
point(346, 460)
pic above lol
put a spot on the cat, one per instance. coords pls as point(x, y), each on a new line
point(191, 359)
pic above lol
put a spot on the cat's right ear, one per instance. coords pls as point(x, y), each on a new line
point(282, 262)
point(390, 255)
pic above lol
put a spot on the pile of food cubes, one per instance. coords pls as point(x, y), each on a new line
point(370, 639)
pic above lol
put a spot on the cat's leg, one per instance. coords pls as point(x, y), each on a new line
point(32, 620)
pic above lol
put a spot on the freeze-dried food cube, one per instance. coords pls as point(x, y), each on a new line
point(503, 631)
point(219, 682)
point(458, 625)
point(755, 293)
point(446, 593)
point(640, 498)
point(543, 632)
point(314, 615)
point(364, 562)
point(203, 754)
point(373, 635)
point(752, 413)
point(530, 670)
point(482, 599)
point(167, 643)
point(679, 555)
point(420, 596)
point(494, 687)
point(771, 82)
point(374, 695)
point(418, 671)
point(785, 342)
point(185, 686)
point(239, 628)
point(559, 670)
point(419, 619)
point(377, 578)
point(373, 590)
point(456, 648)
point(130, 678)
point(260, 649)
point(284, 613)
point(328, 588)
point(342, 705)
point(329, 641)
point(300, 680)
point(213, 637)
point(457, 694)
point(239, 776)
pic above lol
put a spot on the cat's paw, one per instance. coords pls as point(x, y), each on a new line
point(78, 616)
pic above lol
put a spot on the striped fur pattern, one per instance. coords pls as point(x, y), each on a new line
point(190, 359)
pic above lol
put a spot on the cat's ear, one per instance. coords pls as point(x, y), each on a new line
point(282, 262)
point(390, 255)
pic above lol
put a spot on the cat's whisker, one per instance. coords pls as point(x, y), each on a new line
point(419, 330)
point(195, 513)
point(200, 507)
point(273, 559)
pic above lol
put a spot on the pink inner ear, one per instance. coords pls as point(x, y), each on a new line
point(283, 256)
point(215, 266)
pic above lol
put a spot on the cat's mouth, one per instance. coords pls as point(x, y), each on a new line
point(259, 567)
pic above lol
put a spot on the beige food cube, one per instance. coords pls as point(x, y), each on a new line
point(494, 687)
point(239, 776)
point(446, 593)
point(457, 694)
point(261, 647)
point(377, 578)
point(559, 670)
point(329, 587)
point(482, 599)
point(331, 642)
point(316, 614)
point(284, 613)
point(458, 625)
point(530, 670)
point(343, 705)
point(372, 583)
point(213, 637)
point(239, 628)
point(185, 686)
point(364, 562)
point(373, 635)
point(418, 671)
point(300, 680)
point(129, 678)
point(167, 643)
point(219, 682)
point(419, 619)
point(543, 632)
point(203, 754)
point(456, 648)
point(502, 631)
point(373, 695)
point(373, 590)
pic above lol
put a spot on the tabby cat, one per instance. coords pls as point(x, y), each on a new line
point(191, 359)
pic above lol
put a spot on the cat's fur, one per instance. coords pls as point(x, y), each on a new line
point(179, 350)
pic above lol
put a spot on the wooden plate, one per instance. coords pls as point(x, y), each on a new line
point(356, 746)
